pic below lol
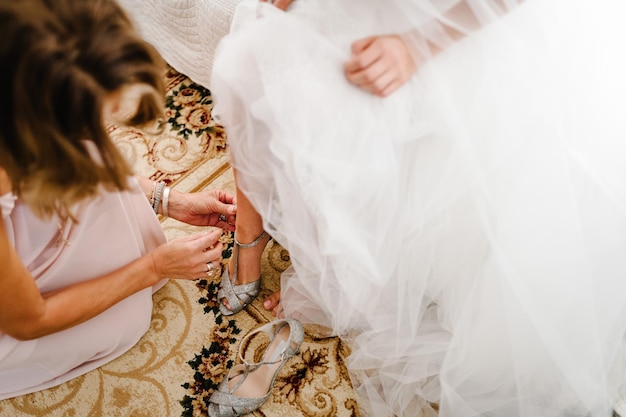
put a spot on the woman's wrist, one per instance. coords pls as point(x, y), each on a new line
point(157, 274)
point(176, 201)
point(160, 197)
point(165, 201)
point(156, 196)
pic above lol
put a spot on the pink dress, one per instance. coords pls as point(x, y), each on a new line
point(114, 229)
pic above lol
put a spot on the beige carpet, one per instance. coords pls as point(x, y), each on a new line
point(188, 349)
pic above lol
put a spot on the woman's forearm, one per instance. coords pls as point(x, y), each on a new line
point(27, 314)
point(92, 297)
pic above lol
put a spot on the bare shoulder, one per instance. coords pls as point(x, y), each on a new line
point(5, 182)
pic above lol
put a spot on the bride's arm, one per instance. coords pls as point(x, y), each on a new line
point(382, 64)
point(453, 23)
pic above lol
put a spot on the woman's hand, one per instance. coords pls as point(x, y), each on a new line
point(204, 208)
point(380, 64)
point(188, 257)
point(27, 314)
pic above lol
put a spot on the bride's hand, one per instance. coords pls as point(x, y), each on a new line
point(380, 64)
point(281, 4)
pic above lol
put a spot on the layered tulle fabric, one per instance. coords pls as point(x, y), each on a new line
point(113, 229)
point(467, 234)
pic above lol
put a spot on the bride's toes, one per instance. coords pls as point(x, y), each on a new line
point(272, 301)
point(273, 304)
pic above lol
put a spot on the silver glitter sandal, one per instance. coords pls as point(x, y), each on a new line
point(238, 296)
point(247, 386)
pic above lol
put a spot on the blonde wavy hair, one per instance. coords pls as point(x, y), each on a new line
point(59, 62)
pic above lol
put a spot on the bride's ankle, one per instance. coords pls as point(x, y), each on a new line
point(248, 253)
point(247, 238)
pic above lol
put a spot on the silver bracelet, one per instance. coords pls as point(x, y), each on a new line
point(152, 193)
point(166, 200)
point(157, 197)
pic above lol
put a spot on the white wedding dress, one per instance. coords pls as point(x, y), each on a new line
point(467, 234)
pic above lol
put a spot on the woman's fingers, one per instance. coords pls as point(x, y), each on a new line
point(226, 222)
point(188, 257)
point(213, 264)
point(201, 241)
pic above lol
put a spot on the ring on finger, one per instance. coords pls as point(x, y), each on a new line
point(210, 269)
point(222, 218)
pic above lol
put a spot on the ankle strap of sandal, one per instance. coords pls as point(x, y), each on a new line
point(271, 329)
point(250, 245)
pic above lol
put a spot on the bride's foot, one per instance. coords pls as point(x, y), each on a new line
point(238, 288)
point(272, 303)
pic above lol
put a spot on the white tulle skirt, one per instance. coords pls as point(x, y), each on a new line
point(467, 234)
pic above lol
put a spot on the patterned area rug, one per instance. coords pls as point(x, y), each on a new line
point(189, 348)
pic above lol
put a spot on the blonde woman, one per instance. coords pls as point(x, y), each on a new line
point(81, 250)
